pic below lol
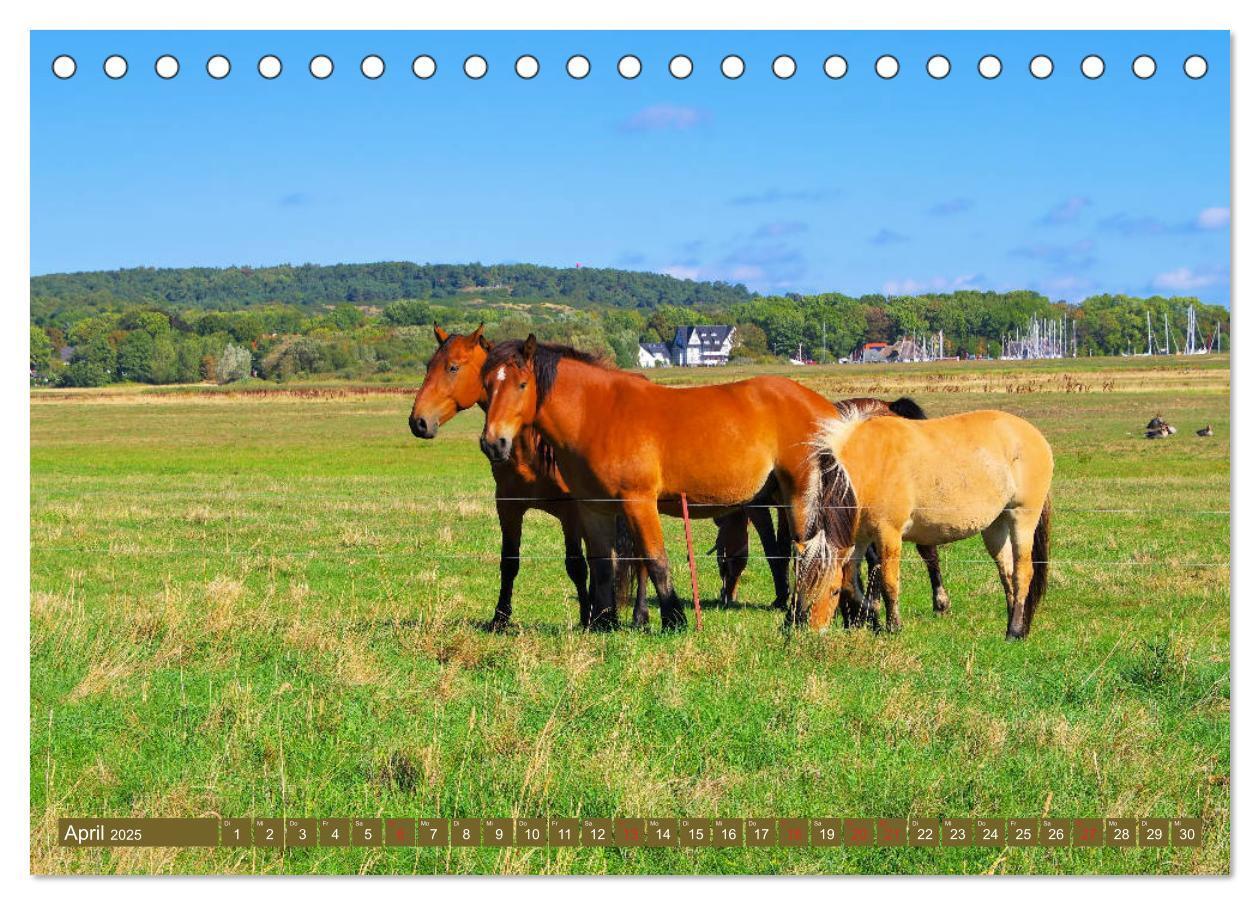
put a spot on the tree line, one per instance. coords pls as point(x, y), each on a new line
point(140, 326)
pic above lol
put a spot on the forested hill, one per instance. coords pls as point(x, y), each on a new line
point(311, 285)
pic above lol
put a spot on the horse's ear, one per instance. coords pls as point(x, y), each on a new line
point(476, 334)
point(484, 343)
point(530, 347)
point(441, 334)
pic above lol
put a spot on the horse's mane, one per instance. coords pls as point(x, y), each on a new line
point(547, 357)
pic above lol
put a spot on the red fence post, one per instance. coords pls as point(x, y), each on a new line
point(691, 561)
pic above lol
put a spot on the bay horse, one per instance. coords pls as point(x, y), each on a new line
point(526, 480)
point(530, 480)
point(935, 482)
point(629, 446)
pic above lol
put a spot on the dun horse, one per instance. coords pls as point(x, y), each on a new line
point(530, 481)
point(628, 446)
point(935, 482)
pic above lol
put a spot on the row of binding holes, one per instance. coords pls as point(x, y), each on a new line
point(629, 66)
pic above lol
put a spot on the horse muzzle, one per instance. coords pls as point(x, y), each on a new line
point(497, 451)
point(424, 428)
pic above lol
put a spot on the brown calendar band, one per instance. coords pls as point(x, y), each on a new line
point(630, 832)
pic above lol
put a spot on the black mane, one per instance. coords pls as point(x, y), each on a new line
point(547, 358)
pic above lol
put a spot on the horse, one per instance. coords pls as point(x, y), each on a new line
point(935, 482)
point(530, 480)
point(632, 447)
point(733, 533)
point(527, 480)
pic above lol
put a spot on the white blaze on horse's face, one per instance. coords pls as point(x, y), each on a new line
point(501, 375)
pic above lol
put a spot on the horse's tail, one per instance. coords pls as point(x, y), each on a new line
point(1040, 566)
point(907, 408)
point(831, 515)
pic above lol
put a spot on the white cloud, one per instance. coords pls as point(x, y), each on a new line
point(1213, 218)
point(911, 286)
point(1183, 279)
point(665, 117)
point(682, 272)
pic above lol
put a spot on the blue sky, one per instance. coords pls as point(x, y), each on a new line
point(1064, 185)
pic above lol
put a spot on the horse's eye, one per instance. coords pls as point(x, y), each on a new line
point(453, 368)
point(522, 385)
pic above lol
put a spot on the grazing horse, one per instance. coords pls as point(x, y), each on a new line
point(936, 482)
point(733, 534)
point(526, 480)
point(628, 446)
point(530, 480)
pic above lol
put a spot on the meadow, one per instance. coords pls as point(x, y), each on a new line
point(269, 601)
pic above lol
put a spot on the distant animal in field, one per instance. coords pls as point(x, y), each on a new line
point(1157, 429)
point(632, 447)
point(1205, 431)
point(932, 482)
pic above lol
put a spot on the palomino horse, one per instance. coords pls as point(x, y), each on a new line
point(733, 534)
point(626, 446)
point(936, 482)
point(530, 480)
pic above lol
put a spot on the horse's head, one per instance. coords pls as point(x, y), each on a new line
point(452, 382)
point(512, 388)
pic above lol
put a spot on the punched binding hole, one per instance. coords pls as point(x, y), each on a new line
point(269, 67)
point(166, 66)
point(680, 66)
point(732, 66)
point(115, 66)
point(64, 66)
point(989, 67)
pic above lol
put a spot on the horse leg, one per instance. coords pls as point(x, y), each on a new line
point(1025, 524)
point(940, 597)
point(645, 526)
point(575, 563)
point(732, 550)
point(997, 540)
point(782, 555)
point(776, 554)
point(869, 613)
point(640, 597)
point(625, 565)
point(889, 544)
point(856, 606)
point(511, 514)
point(600, 530)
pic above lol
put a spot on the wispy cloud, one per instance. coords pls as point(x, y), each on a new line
point(1068, 211)
point(1128, 225)
point(951, 207)
point(778, 196)
point(1186, 279)
point(665, 118)
point(1209, 219)
point(1073, 256)
point(780, 228)
point(1213, 218)
point(913, 286)
point(887, 236)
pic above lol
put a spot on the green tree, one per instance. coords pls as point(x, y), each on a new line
point(408, 313)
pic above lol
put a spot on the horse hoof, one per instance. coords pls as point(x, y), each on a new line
point(941, 604)
point(499, 624)
point(673, 622)
point(1014, 636)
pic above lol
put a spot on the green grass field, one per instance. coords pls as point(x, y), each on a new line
point(271, 605)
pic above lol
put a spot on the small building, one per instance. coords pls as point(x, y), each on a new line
point(874, 352)
point(702, 346)
point(653, 355)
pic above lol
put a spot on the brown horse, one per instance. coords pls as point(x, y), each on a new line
point(936, 482)
point(526, 480)
point(628, 446)
point(530, 481)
